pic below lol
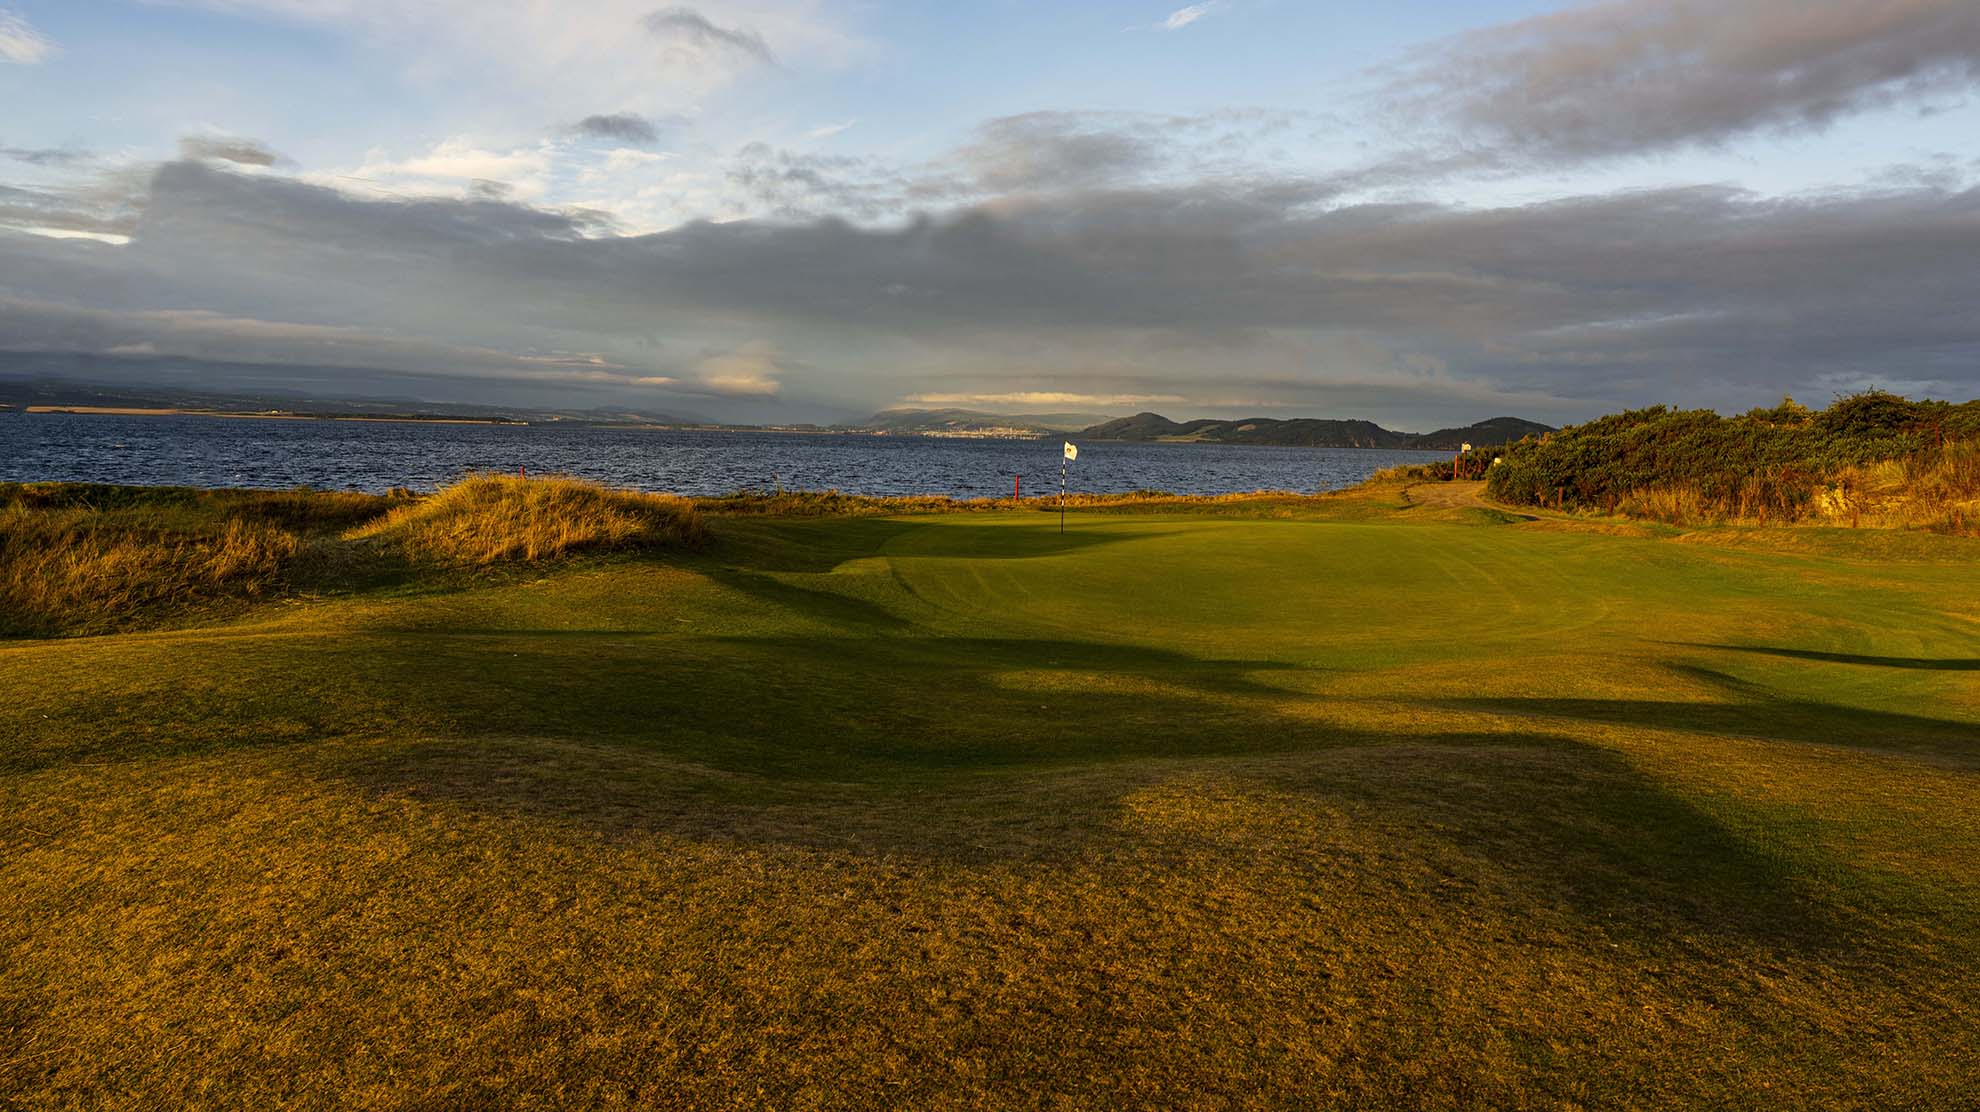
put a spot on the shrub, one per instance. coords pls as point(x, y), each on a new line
point(1777, 464)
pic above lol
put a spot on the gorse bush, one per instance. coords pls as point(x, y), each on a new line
point(488, 519)
point(1785, 463)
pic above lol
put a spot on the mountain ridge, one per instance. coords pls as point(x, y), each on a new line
point(972, 420)
point(1311, 432)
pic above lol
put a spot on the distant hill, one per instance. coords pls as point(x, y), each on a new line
point(967, 421)
point(1493, 430)
point(1310, 432)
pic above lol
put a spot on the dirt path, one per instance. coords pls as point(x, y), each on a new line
point(1463, 494)
point(1457, 494)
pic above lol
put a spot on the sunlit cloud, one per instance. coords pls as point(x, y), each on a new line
point(20, 43)
point(1183, 17)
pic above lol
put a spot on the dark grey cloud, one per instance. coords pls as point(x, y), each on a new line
point(47, 156)
point(1069, 150)
point(1014, 155)
point(622, 127)
point(1057, 150)
point(245, 152)
point(1245, 291)
point(686, 29)
point(1633, 76)
point(791, 185)
point(100, 208)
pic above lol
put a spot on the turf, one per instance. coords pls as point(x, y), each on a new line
point(1363, 802)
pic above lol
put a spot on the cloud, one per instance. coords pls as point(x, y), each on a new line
point(689, 32)
point(1198, 292)
point(20, 43)
point(44, 327)
point(1183, 17)
point(1635, 76)
point(749, 371)
point(454, 167)
point(47, 156)
point(826, 131)
point(245, 152)
point(624, 127)
point(1044, 397)
point(1053, 150)
point(797, 186)
point(473, 60)
point(106, 208)
point(1048, 150)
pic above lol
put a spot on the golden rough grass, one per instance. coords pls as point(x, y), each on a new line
point(1938, 491)
point(81, 569)
point(488, 519)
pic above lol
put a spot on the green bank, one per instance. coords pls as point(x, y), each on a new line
point(1392, 799)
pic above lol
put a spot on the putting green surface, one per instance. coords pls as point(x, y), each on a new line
point(1360, 806)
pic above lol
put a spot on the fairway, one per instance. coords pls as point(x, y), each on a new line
point(1364, 801)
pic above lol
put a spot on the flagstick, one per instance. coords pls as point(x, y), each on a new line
point(1062, 494)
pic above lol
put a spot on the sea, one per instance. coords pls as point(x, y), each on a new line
point(273, 453)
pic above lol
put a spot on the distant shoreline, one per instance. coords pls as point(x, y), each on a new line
point(138, 411)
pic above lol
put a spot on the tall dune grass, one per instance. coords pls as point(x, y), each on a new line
point(488, 519)
point(81, 570)
point(79, 558)
point(1937, 490)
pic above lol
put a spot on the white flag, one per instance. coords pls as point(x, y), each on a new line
point(1072, 450)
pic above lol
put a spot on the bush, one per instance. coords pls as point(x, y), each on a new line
point(1765, 465)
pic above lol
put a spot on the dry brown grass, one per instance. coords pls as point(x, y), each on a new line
point(488, 519)
point(1938, 490)
point(78, 569)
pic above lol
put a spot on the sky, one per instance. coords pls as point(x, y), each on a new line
point(1420, 212)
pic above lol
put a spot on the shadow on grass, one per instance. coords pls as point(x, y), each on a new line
point(956, 751)
point(1925, 663)
point(790, 707)
point(822, 544)
point(1756, 712)
point(1538, 818)
point(835, 607)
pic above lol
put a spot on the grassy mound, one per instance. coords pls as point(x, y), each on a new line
point(488, 519)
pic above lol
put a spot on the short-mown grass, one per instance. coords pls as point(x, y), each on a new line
point(1360, 802)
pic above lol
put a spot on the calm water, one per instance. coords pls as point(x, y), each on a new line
point(225, 452)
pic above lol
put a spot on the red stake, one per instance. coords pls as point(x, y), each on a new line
point(522, 471)
point(1015, 480)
